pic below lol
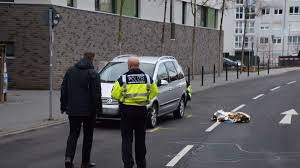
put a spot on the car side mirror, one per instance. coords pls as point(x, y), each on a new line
point(162, 83)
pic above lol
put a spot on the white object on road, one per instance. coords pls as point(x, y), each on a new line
point(254, 98)
point(287, 119)
point(217, 123)
point(183, 152)
point(234, 117)
point(275, 88)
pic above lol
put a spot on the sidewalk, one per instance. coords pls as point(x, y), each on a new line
point(232, 78)
point(29, 110)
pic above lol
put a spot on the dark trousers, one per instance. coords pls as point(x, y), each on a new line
point(88, 129)
point(133, 119)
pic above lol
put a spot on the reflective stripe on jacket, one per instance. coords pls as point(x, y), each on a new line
point(134, 88)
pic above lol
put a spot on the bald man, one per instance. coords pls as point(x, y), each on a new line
point(134, 90)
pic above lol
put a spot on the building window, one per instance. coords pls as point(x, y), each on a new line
point(278, 11)
point(130, 7)
point(203, 16)
point(264, 27)
point(250, 12)
point(238, 41)
point(183, 12)
point(105, 5)
point(248, 41)
point(71, 3)
point(239, 2)
point(239, 27)
point(264, 40)
point(250, 27)
point(294, 40)
point(239, 13)
point(294, 10)
point(265, 11)
point(276, 40)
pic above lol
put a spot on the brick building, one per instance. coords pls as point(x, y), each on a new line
point(24, 30)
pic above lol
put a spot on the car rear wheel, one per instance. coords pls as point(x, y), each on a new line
point(179, 113)
point(152, 116)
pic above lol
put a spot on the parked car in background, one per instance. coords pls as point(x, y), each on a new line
point(167, 74)
point(230, 63)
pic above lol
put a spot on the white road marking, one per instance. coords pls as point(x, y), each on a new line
point(275, 88)
point(217, 123)
point(291, 82)
point(287, 119)
point(254, 98)
point(238, 108)
point(183, 152)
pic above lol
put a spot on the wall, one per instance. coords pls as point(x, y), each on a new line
point(81, 31)
point(26, 26)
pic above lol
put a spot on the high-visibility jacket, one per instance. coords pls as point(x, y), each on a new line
point(134, 88)
point(189, 91)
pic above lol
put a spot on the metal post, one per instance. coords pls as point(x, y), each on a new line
point(1, 73)
point(258, 67)
point(237, 71)
point(214, 73)
point(202, 76)
point(268, 66)
point(50, 64)
point(226, 68)
point(248, 69)
point(189, 74)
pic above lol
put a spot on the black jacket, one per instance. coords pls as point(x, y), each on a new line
point(81, 90)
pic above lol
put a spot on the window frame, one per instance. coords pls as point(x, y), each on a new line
point(157, 76)
point(175, 78)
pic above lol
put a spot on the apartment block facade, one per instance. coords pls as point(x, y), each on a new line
point(272, 28)
point(92, 25)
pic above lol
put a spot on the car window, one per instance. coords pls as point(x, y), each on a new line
point(162, 73)
point(113, 70)
point(179, 70)
point(172, 71)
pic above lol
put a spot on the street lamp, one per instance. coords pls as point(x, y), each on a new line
point(54, 19)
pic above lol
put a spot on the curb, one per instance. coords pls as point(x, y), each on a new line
point(203, 88)
point(33, 128)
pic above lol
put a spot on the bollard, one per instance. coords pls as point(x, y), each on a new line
point(248, 69)
point(268, 66)
point(237, 71)
point(214, 73)
point(189, 74)
point(202, 76)
point(257, 67)
point(226, 70)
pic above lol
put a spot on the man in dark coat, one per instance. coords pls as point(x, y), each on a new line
point(81, 100)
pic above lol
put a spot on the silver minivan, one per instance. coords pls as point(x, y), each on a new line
point(167, 74)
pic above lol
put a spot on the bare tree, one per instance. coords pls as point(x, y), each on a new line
point(163, 28)
point(220, 36)
point(194, 13)
point(120, 28)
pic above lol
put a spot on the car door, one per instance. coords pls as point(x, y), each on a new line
point(163, 90)
point(173, 86)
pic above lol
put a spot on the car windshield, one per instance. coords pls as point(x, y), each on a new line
point(113, 70)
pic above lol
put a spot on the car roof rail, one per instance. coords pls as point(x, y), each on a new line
point(165, 57)
point(123, 56)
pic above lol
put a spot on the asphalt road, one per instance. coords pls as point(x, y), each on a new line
point(262, 143)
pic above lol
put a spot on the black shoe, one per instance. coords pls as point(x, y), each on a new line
point(88, 165)
point(68, 164)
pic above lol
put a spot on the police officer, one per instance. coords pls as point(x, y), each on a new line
point(134, 90)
